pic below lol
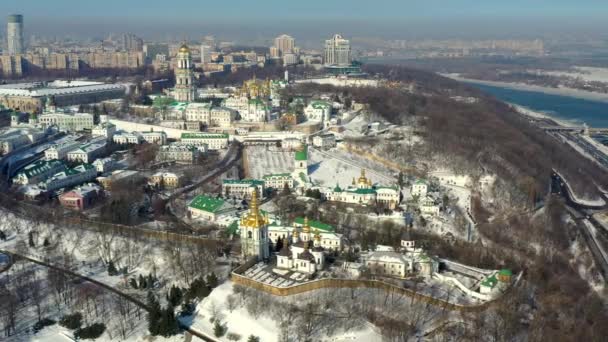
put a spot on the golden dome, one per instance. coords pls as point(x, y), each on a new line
point(254, 219)
point(295, 233)
point(184, 49)
point(317, 236)
point(363, 179)
point(306, 227)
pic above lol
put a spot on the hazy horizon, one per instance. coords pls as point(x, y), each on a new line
point(312, 21)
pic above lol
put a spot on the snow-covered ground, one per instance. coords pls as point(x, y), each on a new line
point(589, 74)
point(264, 161)
point(340, 167)
point(240, 322)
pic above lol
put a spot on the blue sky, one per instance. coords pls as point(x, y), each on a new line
point(261, 17)
point(267, 9)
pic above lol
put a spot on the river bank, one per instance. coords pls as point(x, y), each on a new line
point(580, 94)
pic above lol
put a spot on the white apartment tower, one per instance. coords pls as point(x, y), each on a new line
point(337, 51)
point(185, 89)
point(14, 34)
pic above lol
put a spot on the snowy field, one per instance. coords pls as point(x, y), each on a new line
point(264, 160)
point(340, 167)
point(589, 74)
point(239, 321)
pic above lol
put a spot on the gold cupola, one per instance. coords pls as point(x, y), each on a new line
point(254, 218)
point(306, 226)
point(317, 237)
point(362, 179)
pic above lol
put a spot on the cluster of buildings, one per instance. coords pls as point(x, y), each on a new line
point(32, 97)
point(364, 192)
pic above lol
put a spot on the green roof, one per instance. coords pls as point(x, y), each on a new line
point(337, 188)
point(277, 175)
point(490, 282)
point(505, 272)
point(362, 191)
point(256, 102)
point(206, 203)
point(243, 181)
point(204, 136)
point(160, 101)
point(320, 105)
point(420, 182)
point(316, 224)
point(42, 166)
point(303, 154)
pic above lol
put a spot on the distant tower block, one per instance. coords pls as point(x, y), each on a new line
point(14, 34)
point(185, 89)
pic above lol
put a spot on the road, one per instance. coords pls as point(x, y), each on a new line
point(583, 217)
point(591, 151)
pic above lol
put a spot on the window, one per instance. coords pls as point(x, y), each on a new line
point(249, 235)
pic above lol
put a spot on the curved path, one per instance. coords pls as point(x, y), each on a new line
point(14, 256)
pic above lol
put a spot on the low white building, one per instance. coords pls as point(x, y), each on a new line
point(364, 192)
point(125, 138)
point(318, 111)
point(180, 153)
point(104, 165)
point(428, 206)
point(151, 137)
point(87, 153)
point(214, 141)
point(291, 144)
point(277, 181)
point(206, 208)
point(104, 129)
point(324, 140)
point(60, 151)
point(38, 172)
point(419, 188)
point(408, 262)
point(75, 122)
point(242, 188)
point(78, 175)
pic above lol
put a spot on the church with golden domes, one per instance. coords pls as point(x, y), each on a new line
point(254, 231)
point(304, 252)
point(185, 87)
point(363, 191)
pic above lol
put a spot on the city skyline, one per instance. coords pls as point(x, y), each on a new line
point(313, 21)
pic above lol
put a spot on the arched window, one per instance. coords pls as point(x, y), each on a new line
point(249, 235)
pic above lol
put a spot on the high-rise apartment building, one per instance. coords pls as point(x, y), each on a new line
point(284, 44)
point(14, 34)
point(206, 53)
point(337, 51)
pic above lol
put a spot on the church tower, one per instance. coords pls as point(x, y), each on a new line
point(254, 231)
point(185, 89)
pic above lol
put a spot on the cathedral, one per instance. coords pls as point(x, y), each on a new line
point(364, 192)
point(185, 88)
point(305, 254)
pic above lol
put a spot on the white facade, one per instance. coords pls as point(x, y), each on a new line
point(104, 129)
point(278, 181)
point(78, 175)
point(337, 51)
point(419, 188)
point(324, 141)
point(242, 189)
point(67, 122)
point(104, 165)
point(318, 111)
point(125, 138)
point(212, 140)
point(60, 151)
point(87, 153)
point(158, 138)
